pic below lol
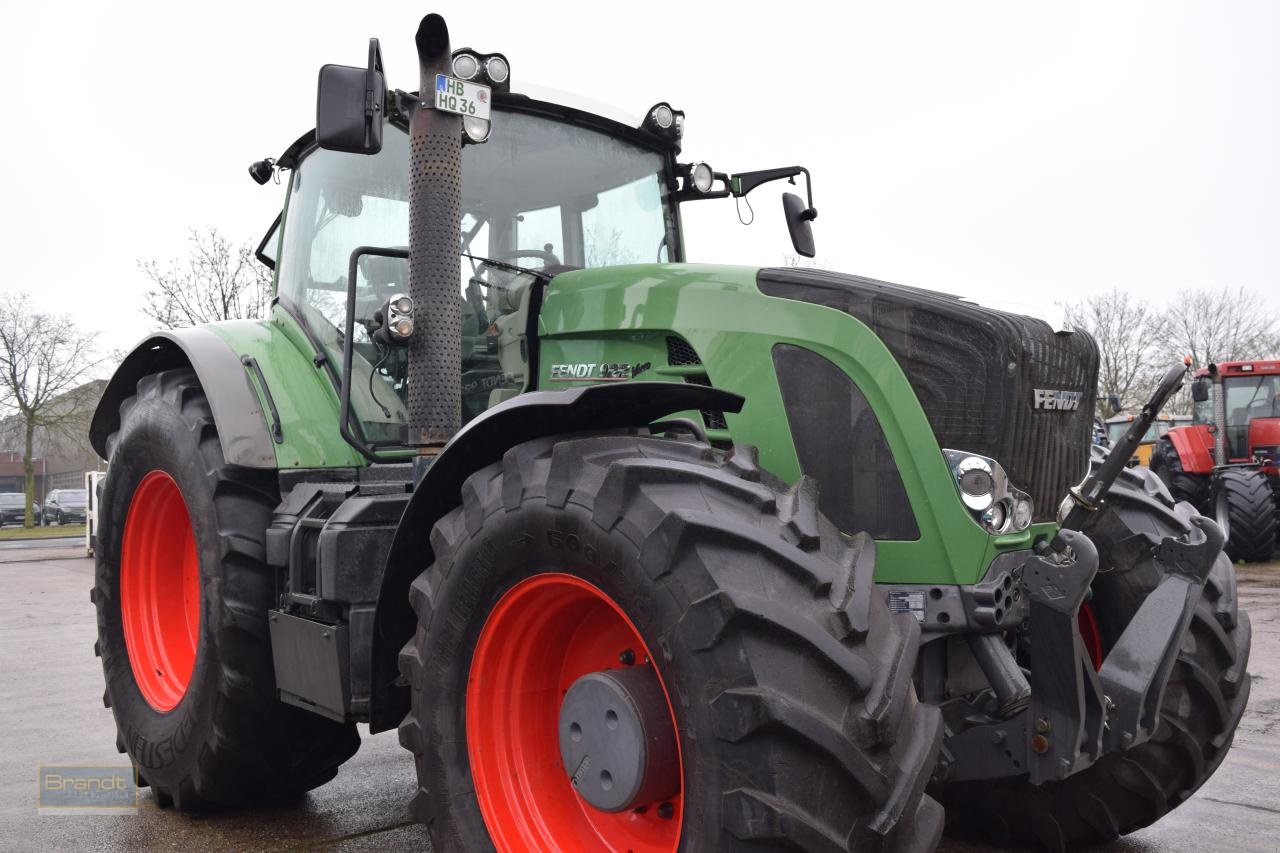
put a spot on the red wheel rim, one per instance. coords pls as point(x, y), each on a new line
point(160, 591)
point(542, 635)
point(1090, 634)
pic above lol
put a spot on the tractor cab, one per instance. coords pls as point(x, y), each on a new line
point(1250, 396)
point(553, 189)
point(546, 188)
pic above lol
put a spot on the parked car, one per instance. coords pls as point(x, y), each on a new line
point(65, 506)
point(13, 509)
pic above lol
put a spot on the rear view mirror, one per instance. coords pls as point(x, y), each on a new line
point(1114, 402)
point(798, 218)
point(1200, 389)
point(349, 106)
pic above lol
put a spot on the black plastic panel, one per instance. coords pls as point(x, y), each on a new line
point(840, 443)
point(975, 372)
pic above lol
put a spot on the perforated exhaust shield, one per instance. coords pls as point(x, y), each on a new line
point(435, 201)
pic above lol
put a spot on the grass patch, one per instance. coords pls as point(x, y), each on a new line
point(42, 532)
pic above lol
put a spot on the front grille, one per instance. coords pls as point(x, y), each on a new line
point(975, 372)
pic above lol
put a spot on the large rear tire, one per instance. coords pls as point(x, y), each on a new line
point(1244, 505)
point(1202, 704)
point(182, 594)
point(788, 681)
point(1167, 465)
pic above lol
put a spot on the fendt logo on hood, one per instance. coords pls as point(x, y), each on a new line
point(1058, 401)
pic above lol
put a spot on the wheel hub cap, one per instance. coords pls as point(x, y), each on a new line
point(616, 740)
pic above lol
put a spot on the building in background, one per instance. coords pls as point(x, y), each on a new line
point(61, 454)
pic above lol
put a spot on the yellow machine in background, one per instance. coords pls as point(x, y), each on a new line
point(1117, 425)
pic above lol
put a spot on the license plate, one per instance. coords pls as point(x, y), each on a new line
point(461, 97)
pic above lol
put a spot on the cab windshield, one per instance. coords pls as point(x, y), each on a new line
point(1248, 398)
point(540, 193)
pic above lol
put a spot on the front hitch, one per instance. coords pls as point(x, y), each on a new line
point(1078, 715)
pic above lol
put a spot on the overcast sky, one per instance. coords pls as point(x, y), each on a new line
point(1019, 154)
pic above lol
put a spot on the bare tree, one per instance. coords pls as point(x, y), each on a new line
point(1124, 328)
point(217, 281)
point(1219, 324)
point(42, 360)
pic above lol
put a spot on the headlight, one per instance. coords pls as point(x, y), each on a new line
point(465, 66)
point(663, 116)
point(976, 480)
point(984, 489)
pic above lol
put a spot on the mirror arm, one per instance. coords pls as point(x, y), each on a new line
point(741, 184)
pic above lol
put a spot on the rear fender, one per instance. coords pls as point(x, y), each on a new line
point(483, 441)
point(274, 404)
point(1195, 448)
point(246, 438)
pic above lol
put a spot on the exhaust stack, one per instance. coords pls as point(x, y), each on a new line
point(435, 211)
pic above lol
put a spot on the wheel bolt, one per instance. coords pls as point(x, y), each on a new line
point(627, 658)
point(666, 811)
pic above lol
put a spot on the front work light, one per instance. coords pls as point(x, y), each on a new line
point(476, 129)
point(665, 122)
point(465, 66)
point(488, 69)
point(497, 69)
point(702, 176)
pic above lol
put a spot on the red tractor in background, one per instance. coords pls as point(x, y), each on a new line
point(1235, 481)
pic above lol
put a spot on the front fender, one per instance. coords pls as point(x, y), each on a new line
point(483, 441)
point(1195, 448)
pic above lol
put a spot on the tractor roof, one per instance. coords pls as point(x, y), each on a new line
point(1243, 368)
point(541, 100)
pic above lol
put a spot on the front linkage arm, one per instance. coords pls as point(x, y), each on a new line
point(1089, 496)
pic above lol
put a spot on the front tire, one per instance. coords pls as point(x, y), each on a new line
point(789, 683)
point(182, 594)
point(1244, 506)
point(1167, 465)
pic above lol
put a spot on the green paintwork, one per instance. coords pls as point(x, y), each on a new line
point(301, 391)
point(623, 314)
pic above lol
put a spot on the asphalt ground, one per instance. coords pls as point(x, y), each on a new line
point(51, 708)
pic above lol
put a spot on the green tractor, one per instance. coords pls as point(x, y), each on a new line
point(638, 555)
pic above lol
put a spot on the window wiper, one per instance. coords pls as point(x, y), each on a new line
point(503, 265)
